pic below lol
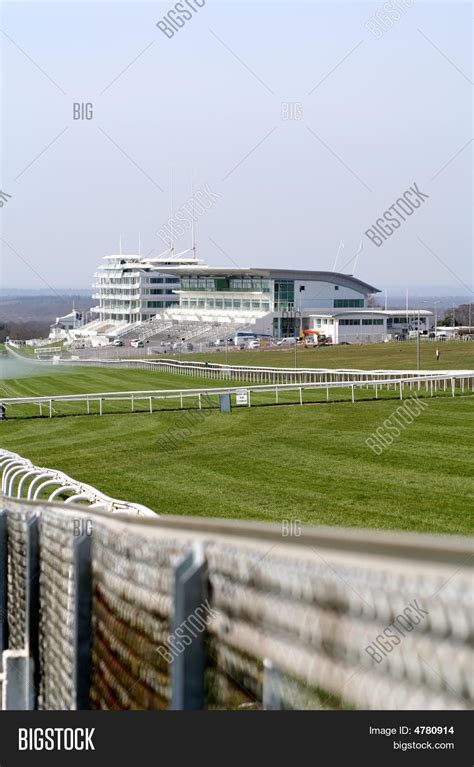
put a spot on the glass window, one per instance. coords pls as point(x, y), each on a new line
point(227, 303)
point(348, 303)
point(284, 294)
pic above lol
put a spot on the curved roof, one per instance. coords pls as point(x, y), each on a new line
point(337, 278)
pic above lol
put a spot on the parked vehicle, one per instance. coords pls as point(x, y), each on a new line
point(137, 344)
point(117, 342)
point(254, 344)
point(287, 341)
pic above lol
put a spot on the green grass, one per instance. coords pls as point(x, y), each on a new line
point(266, 463)
point(395, 355)
point(56, 380)
point(29, 351)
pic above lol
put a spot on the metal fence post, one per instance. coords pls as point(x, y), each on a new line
point(3, 585)
point(32, 610)
point(17, 674)
point(82, 576)
point(271, 700)
point(188, 665)
point(225, 403)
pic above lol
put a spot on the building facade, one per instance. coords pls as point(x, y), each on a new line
point(132, 289)
point(280, 297)
point(275, 303)
point(369, 325)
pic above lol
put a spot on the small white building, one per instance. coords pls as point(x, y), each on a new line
point(368, 325)
point(63, 325)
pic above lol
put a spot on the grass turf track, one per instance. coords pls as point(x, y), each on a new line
point(275, 463)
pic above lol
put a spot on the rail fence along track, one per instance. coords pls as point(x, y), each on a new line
point(432, 384)
point(91, 621)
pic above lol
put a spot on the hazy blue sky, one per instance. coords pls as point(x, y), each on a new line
point(385, 113)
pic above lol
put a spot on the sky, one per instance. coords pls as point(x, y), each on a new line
point(304, 120)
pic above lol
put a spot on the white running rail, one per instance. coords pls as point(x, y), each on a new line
point(431, 384)
point(20, 478)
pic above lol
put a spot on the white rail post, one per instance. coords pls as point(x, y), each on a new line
point(401, 390)
point(88, 406)
point(100, 405)
point(301, 396)
point(352, 388)
point(133, 404)
point(453, 385)
point(151, 405)
point(50, 408)
point(249, 403)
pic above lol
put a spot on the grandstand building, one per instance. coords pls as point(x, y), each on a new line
point(142, 297)
point(132, 289)
point(285, 302)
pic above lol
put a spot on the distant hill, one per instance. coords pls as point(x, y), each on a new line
point(30, 316)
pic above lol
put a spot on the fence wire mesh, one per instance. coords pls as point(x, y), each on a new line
point(17, 523)
point(132, 613)
point(56, 611)
point(290, 622)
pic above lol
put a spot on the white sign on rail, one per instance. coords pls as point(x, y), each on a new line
point(241, 397)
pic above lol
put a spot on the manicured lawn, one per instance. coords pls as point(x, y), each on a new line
point(308, 464)
point(33, 379)
point(395, 356)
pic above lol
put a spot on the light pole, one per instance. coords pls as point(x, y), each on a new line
point(436, 315)
point(418, 343)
